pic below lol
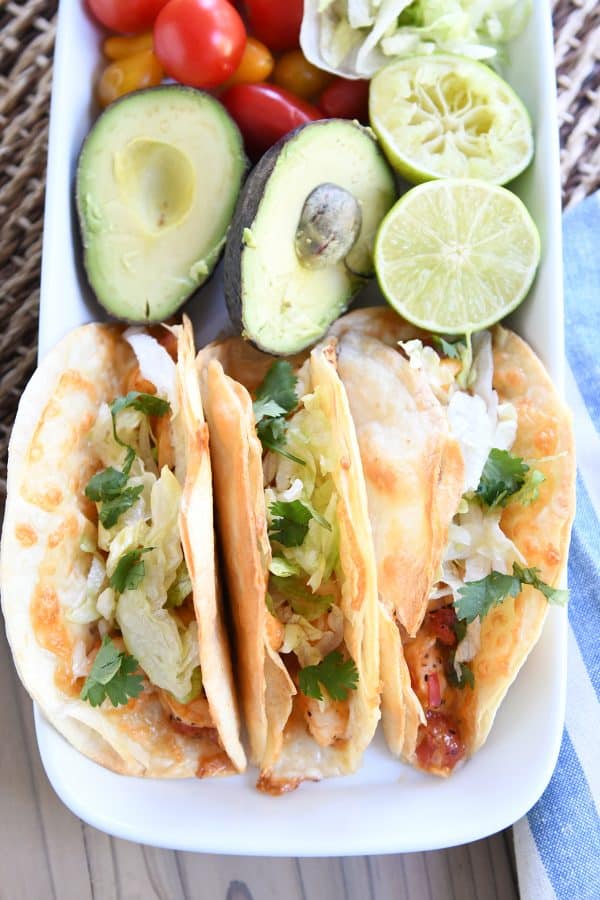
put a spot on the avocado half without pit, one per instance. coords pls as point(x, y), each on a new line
point(157, 182)
point(301, 240)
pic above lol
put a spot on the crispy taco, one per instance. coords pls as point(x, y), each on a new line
point(298, 553)
point(109, 587)
point(479, 506)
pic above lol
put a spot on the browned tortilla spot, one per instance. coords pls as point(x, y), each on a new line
point(69, 528)
point(48, 624)
point(26, 535)
point(47, 500)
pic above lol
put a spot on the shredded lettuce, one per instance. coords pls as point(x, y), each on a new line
point(309, 437)
point(156, 366)
point(312, 643)
point(106, 603)
point(439, 374)
point(163, 561)
point(181, 587)
point(477, 419)
point(313, 622)
point(468, 647)
point(358, 36)
point(476, 546)
point(86, 611)
point(167, 654)
point(133, 429)
point(282, 567)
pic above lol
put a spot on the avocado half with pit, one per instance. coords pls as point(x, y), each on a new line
point(157, 182)
point(301, 240)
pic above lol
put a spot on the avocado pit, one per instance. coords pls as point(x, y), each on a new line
point(157, 182)
point(329, 226)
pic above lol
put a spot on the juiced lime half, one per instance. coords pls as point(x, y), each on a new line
point(456, 255)
point(444, 116)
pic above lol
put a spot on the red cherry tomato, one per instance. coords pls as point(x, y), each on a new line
point(264, 113)
point(199, 42)
point(345, 99)
point(126, 17)
point(276, 22)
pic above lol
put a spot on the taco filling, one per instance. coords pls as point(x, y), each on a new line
point(298, 554)
point(305, 622)
point(138, 597)
point(481, 565)
point(109, 587)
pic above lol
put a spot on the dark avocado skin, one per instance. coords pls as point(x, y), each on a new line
point(245, 213)
point(183, 89)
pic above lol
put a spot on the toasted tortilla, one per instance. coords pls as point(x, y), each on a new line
point(281, 745)
point(540, 531)
point(414, 474)
point(50, 463)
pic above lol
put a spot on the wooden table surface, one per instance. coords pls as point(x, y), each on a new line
point(47, 852)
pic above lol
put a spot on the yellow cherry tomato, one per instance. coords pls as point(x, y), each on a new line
point(294, 73)
point(256, 65)
point(132, 73)
point(117, 47)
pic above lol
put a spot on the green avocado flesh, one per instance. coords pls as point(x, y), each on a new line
point(157, 182)
point(282, 301)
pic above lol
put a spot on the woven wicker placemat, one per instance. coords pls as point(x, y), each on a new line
point(26, 43)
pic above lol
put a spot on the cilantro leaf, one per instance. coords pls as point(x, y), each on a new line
point(146, 403)
point(503, 475)
point(557, 596)
point(106, 485)
point(290, 521)
point(112, 676)
point(466, 677)
point(114, 507)
point(452, 349)
point(476, 598)
point(271, 433)
point(149, 404)
point(129, 570)
point(334, 673)
point(276, 396)
point(460, 629)
point(301, 598)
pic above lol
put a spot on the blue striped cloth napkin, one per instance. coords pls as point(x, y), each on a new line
point(557, 845)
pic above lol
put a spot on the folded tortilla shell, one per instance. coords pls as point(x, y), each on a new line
point(50, 463)
point(540, 531)
point(414, 474)
point(280, 743)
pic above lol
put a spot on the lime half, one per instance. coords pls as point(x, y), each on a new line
point(444, 116)
point(456, 255)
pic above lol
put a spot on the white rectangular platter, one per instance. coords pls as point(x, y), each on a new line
point(385, 807)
